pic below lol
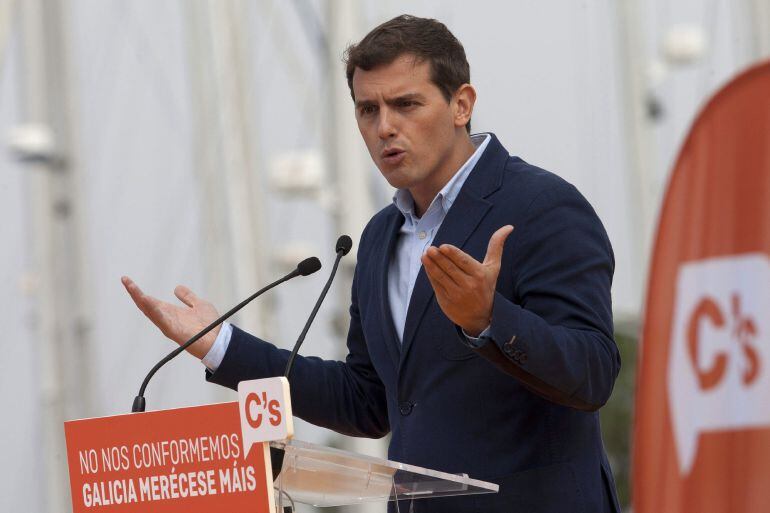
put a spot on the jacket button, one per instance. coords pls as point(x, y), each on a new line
point(508, 346)
point(405, 408)
point(523, 357)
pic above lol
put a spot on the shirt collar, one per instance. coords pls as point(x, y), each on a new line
point(404, 202)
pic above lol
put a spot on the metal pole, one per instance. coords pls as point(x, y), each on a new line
point(348, 161)
point(7, 15)
point(44, 145)
point(349, 165)
point(638, 139)
point(230, 191)
point(760, 19)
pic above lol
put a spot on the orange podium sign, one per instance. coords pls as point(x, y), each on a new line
point(191, 460)
point(184, 460)
point(702, 432)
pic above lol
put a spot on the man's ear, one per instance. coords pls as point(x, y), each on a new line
point(463, 101)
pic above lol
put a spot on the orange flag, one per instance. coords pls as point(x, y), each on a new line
point(702, 431)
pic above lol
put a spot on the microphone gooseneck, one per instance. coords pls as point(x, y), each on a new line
point(307, 266)
point(344, 243)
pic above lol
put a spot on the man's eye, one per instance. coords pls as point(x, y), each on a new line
point(368, 109)
point(407, 103)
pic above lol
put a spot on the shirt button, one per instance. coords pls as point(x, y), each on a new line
point(421, 235)
point(405, 408)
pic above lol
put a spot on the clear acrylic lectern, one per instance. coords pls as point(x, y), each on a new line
point(322, 476)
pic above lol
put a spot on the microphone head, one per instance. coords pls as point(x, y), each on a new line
point(308, 266)
point(344, 243)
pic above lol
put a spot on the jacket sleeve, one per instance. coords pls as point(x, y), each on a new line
point(555, 332)
point(347, 397)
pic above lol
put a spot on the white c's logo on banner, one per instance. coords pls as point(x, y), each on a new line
point(718, 376)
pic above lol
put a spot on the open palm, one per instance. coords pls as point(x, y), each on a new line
point(178, 322)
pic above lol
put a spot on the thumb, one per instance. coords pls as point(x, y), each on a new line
point(495, 247)
point(186, 296)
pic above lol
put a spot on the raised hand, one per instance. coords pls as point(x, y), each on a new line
point(179, 323)
point(464, 287)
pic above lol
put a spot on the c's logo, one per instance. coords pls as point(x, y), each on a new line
point(253, 403)
point(720, 340)
point(265, 408)
point(744, 332)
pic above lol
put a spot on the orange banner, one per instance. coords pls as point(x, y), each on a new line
point(702, 432)
point(187, 460)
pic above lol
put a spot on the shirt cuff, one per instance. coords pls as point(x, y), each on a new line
point(216, 354)
point(477, 342)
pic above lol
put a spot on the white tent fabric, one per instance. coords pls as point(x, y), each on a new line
point(549, 85)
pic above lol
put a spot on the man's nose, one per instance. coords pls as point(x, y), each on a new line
point(386, 128)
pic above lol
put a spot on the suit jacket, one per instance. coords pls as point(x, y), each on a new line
point(522, 410)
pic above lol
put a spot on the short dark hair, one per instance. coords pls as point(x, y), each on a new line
point(427, 39)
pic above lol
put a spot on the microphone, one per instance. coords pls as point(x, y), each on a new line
point(344, 243)
point(304, 268)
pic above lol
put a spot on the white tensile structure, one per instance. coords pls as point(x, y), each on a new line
point(139, 138)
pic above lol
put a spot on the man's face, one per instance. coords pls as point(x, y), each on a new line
point(408, 126)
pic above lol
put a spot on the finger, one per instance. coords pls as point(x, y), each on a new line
point(128, 283)
point(435, 276)
point(495, 247)
point(186, 296)
point(459, 258)
point(133, 290)
point(147, 304)
point(454, 273)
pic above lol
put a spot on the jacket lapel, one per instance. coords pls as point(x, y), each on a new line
point(392, 344)
point(461, 221)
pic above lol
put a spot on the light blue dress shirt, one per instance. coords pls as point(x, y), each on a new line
point(414, 237)
point(417, 234)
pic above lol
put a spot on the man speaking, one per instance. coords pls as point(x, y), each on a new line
point(481, 329)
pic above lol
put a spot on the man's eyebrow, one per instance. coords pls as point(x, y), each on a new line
point(362, 103)
point(392, 101)
point(404, 97)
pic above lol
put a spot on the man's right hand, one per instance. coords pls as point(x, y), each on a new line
point(179, 323)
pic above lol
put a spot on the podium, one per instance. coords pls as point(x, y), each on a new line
point(323, 476)
point(218, 458)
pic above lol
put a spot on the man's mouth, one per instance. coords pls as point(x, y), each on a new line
point(393, 155)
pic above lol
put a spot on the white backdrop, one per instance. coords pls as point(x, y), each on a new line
point(550, 85)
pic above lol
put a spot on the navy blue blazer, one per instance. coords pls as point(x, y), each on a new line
point(522, 410)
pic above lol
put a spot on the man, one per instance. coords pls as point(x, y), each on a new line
point(480, 348)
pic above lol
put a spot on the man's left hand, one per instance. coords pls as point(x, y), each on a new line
point(465, 288)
